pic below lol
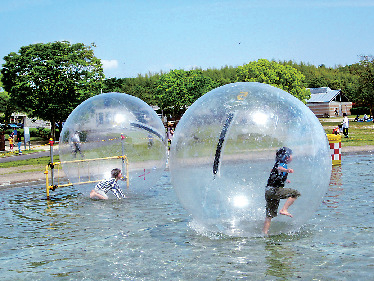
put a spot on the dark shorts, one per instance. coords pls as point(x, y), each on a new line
point(273, 196)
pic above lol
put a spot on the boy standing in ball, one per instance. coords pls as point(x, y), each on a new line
point(275, 190)
point(103, 187)
point(76, 144)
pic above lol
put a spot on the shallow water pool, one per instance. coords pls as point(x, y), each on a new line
point(148, 237)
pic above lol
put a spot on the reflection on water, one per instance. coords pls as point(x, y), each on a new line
point(336, 175)
point(279, 260)
point(147, 237)
point(335, 189)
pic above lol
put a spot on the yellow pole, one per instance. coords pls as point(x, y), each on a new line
point(46, 180)
point(124, 159)
point(127, 174)
point(79, 174)
point(58, 175)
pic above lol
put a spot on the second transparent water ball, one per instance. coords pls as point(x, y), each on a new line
point(105, 127)
point(224, 149)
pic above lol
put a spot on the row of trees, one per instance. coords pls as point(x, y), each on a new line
point(355, 81)
point(48, 81)
point(178, 89)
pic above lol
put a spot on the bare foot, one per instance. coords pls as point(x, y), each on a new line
point(285, 213)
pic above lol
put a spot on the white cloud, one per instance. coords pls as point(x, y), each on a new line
point(109, 64)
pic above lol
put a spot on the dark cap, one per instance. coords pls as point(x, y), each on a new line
point(282, 154)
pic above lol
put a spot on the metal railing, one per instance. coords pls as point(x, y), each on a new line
point(49, 169)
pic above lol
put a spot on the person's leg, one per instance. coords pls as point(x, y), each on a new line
point(266, 227)
point(287, 204)
point(291, 195)
point(96, 195)
point(80, 151)
point(345, 132)
point(272, 204)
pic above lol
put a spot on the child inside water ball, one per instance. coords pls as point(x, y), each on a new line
point(275, 190)
point(103, 187)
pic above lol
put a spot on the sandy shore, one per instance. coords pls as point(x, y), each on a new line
point(30, 175)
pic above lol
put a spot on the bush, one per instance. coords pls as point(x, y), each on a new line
point(360, 110)
point(44, 133)
point(33, 132)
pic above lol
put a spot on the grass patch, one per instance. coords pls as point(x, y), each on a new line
point(15, 152)
point(360, 133)
point(34, 161)
point(27, 169)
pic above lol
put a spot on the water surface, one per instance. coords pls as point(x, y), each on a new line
point(149, 238)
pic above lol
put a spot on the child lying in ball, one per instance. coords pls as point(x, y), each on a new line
point(275, 190)
point(103, 187)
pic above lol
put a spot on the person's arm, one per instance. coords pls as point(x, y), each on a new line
point(283, 169)
point(117, 191)
point(121, 193)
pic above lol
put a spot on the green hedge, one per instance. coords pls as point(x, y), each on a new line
point(34, 132)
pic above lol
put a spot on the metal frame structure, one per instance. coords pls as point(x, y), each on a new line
point(51, 166)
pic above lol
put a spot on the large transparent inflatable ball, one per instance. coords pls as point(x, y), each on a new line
point(224, 148)
point(113, 130)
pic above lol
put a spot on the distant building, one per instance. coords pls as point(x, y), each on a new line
point(325, 102)
point(21, 118)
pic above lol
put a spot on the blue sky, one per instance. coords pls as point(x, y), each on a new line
point(137, 37)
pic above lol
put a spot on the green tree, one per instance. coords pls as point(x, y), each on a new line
point(178, 89)
point(284, 77)
point(112, 85)
point(222, 76)
point(142, 87)
point(366, 73)
point(6, 106)
point(49, 80)
point(344, 78)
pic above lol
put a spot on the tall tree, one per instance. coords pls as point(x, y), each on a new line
point(142, 87)
point(49, 80)
point(282, 76)
point(366, 73)
point(4, 104)
point(5, 107)
point(178, 89)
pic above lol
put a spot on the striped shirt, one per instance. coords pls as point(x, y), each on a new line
point(112, 185)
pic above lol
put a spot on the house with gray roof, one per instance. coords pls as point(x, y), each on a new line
point(325, 102)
